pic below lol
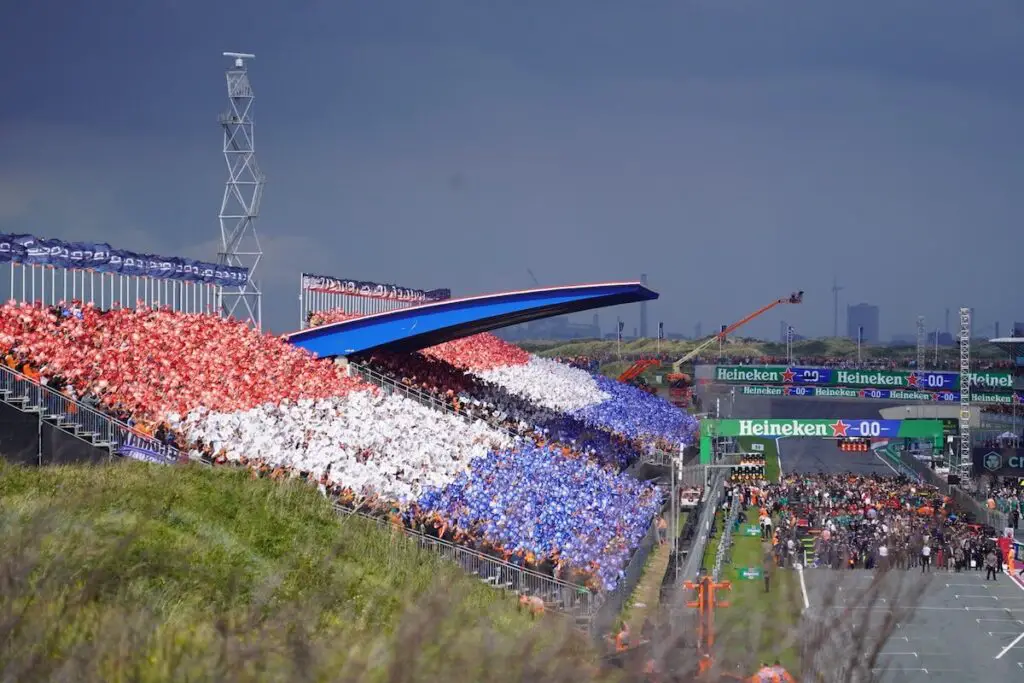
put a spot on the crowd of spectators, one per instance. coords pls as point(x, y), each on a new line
point(233, 396)
point(477, 398)
point(867, 522)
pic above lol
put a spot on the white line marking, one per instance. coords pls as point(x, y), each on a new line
point(937, 609)
point(899, 654)
point(1010, 646)
point(887, 463)
point(969, 585)
point(1002, 633)
point(803, 586)
point(1015, 621)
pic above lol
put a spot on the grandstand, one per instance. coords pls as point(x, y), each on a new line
point(514, 465)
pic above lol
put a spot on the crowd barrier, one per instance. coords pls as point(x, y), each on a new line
point(561, 596)
point(50, 285)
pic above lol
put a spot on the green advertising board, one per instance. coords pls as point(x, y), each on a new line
point(827, 429)
point(749, 573)
point(751, 530)
point(929, 380)
point(880, 394)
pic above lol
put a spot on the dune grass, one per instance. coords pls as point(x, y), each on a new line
point(135, 572)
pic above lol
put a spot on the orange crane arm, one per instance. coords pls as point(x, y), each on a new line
point(794, 298)
point(791, 299)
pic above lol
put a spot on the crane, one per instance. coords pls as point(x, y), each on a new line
point(794, 298)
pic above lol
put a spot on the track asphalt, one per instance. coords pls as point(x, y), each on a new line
point(813, 456)
point(951, 628)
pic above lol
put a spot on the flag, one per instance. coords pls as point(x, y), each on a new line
point(661, 330)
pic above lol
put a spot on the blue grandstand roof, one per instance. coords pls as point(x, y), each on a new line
point(417, 327)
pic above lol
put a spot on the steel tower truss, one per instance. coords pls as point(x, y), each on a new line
point(963, 466)
point(243, 191)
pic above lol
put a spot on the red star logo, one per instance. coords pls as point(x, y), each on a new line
point(788, 375)
point(863, 393)
point(839, 428)
point(912, 379)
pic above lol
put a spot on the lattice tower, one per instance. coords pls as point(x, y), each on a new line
point(964, 460)
point(243, 192)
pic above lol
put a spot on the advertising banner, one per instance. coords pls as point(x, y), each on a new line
point(993, 380)
point(881, 394)
point(1001, 462)
point(102, 258)
point(373, 290)
point(829, 429)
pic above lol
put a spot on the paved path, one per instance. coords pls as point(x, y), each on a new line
point(956, 627)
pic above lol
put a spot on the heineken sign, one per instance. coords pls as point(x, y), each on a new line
point(749, 573)
point(827, 429)
point(883, 394)
point(882, 379)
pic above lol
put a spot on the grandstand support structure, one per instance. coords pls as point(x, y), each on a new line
point(964, 460)
point(920, 342)
point(243, 192)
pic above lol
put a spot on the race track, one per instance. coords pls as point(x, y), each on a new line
point(941, 627)
point(803, 455)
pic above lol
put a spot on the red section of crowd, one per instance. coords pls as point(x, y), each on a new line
point(148, 363)
point(479, 352)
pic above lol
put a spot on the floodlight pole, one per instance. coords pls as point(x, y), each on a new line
point(243, 192)
point(860, 340)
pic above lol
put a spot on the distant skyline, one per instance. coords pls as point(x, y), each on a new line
point(733, 151)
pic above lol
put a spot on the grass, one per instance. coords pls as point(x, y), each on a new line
point(758, 626)
point(646, 598)
point(772, 463)
point(135, 572)
point(740, 346)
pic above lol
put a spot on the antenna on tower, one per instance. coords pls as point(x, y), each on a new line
point(835, 306)
point(240, 244)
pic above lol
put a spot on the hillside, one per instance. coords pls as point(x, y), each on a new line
point(145, 573)
point(744, 347)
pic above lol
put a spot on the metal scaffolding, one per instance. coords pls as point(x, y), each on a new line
point(240, 244)
point(963, 465)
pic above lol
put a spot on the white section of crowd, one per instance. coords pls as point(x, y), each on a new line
point(548, 383)
point(371, 443)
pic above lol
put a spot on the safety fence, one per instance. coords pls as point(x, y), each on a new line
point(712, 500)
point(51, 285)
point(560, 596)
point(725, 543)
point(961, 498)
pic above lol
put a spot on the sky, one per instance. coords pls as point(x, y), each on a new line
point(734, 151)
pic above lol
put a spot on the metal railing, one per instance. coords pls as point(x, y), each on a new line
point(612, 603)
point(712, 499)
point(83, 420)
point(560, 596)
point(963, 499)
point(725, 544)
point(391, 385)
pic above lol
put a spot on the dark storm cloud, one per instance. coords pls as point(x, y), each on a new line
point(733, 151)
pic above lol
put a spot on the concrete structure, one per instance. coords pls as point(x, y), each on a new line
point(866, 316)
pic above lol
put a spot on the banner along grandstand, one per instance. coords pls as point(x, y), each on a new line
point(934, 380)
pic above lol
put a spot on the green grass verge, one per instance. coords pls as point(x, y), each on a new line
point(758, 626)
point(772, 465)
point(146, 573)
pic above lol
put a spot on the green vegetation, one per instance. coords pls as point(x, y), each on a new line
point(752, 348)
point(772, 464)
point(757, 622)
point(758, 626)
point(645, 601)
point(145, 573)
